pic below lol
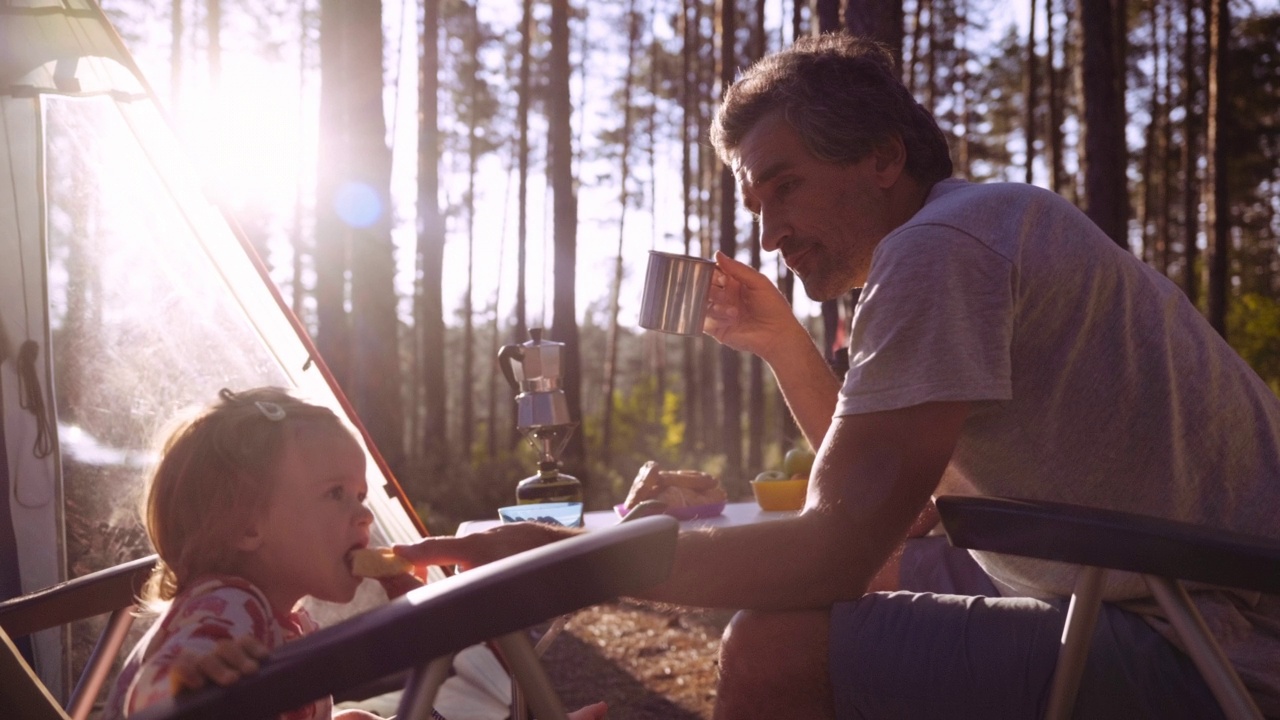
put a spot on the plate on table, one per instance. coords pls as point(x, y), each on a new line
point(690, 512)
point(568, 514)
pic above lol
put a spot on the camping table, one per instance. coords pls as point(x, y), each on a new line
point(739, 513)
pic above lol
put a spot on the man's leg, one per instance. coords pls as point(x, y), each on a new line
point(774, 665)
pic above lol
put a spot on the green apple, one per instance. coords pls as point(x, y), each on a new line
point(769, 475)
point(798, 461)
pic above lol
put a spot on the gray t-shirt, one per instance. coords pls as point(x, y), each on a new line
point(1093, 380)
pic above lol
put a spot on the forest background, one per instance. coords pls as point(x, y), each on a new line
point(428, 180)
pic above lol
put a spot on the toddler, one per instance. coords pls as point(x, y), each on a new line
point(256, 502)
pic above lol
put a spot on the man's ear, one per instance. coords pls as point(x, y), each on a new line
point(891, 159)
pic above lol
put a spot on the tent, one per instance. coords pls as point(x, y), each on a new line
point(125, 296)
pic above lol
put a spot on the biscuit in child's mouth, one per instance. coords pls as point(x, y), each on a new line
point(378, 563)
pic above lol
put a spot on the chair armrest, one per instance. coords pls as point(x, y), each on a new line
point(443, 617)
point(86, 596)
point(1112, 539)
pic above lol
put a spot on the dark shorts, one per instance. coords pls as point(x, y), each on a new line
point(948, 646)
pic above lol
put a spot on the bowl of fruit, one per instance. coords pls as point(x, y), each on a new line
point(785, 489)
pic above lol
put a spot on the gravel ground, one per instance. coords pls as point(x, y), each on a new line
point(644, 661)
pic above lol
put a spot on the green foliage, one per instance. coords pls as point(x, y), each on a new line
point(1253, 327)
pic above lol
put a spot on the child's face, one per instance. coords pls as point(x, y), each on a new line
point(314, 518)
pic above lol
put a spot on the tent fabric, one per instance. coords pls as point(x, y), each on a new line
point(137, 297)
point(10, 582)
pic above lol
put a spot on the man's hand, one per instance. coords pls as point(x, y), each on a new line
point(479, 548)
point(747, 312)
point(229, 661)
point(398, 585)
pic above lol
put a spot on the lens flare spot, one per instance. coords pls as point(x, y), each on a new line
point(358, 204)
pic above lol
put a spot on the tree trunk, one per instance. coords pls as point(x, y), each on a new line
point(429, 308)
point(213, 32)
point(828, 12)
point(730, 359)
point(624, 172)
point(1031, 96)
point(296, 241)
point(521, 332)
point(1218, 221)
point(1106, 192)
point(707, 428)
point(961, 101)
point(917, 47)
point(375, 355)
point(1164, 140)
point(757, 427)
point(655, 341)
point(564, 326)
point(831, 308)
point(176, 29)
point(332, 329)
point(1057, 171)
point(1190, 155)
point(879, 19)
point(466, 399)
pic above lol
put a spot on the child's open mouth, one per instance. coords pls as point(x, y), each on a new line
point(349, 558)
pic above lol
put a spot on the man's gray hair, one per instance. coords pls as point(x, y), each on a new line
point(843, 97)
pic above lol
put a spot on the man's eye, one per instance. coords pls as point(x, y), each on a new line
point(784, 188)
point(336, 492)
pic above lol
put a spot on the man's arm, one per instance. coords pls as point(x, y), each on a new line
point(748, 313)
point(872, 477)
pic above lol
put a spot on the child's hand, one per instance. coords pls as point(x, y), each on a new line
point(229, 661)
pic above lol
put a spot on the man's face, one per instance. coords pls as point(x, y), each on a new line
point(825, 218)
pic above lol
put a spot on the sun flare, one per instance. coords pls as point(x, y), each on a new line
point(248, 137)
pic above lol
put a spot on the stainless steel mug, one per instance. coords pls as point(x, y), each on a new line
point(675, 293)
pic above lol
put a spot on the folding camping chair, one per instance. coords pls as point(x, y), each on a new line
point(113, 591)
point(423, 629)
point(1164, 552)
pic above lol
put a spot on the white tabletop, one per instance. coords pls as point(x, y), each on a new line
point(740, 513)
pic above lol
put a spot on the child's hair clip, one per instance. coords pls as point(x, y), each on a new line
point(226, 395)
point(270, 410)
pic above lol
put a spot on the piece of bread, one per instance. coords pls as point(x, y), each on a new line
point(676, 488)
point(689, 479)
point(378, 563)
point(646, 486)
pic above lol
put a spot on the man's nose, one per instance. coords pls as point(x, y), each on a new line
point(773, 230)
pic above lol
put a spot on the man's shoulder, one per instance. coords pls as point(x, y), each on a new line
point(1006, 196)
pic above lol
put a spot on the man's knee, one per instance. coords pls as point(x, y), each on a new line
point(771, 647)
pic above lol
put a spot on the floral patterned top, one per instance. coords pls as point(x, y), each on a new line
point(212, 609)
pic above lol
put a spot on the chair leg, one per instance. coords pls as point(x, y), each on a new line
point(1082, 616)
point(100, 661)
point(416, 703)
point(528, 671)
point(1203, 649)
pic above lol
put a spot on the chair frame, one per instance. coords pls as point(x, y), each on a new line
point(423, 629)
point(114, 590)
point(1164, 552)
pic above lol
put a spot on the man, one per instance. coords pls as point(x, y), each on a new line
point(1002, 345)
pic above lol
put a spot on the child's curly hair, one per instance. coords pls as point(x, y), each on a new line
point(214, 477)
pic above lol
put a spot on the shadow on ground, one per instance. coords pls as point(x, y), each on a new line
point(582, 675)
